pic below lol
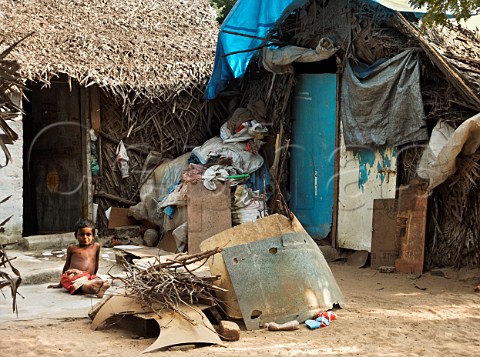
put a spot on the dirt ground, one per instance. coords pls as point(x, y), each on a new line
point(387, 315)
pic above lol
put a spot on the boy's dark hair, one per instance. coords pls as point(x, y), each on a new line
point(83, 223)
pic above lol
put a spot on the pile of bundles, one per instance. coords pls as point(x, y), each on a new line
point(232, 157)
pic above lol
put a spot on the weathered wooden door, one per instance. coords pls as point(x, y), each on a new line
point(312, 149)
point(54, 158)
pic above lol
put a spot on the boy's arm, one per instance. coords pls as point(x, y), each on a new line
point(65, 267)
point(68, 259)
point(97, 257)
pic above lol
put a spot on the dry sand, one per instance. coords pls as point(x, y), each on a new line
point(387, 315)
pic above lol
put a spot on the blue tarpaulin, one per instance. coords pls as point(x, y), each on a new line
point(251, 21)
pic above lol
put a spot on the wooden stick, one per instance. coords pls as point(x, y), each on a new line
point(115, 198)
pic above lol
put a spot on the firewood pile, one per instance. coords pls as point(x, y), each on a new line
point(167, 285)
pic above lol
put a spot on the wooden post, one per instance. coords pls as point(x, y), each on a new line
point(336, 164)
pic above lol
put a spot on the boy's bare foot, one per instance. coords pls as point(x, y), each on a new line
point(95, 287)
point(477, 289)
point(103, 288)
point(54, 286)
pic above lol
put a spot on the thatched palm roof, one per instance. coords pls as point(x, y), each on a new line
point(456, 52)
point(155, 47)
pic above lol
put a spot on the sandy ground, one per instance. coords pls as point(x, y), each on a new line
point(387, 315)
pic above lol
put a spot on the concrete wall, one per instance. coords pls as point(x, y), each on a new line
point(11, 178)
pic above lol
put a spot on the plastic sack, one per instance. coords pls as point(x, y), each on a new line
point(122, 159)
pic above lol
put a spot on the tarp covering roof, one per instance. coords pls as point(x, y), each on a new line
point(150, 46)
point(245, 29)
point(254, 19)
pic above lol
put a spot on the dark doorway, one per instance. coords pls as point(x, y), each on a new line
point(53, 169)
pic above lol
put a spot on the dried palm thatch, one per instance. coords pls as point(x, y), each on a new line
point(172, 283)
point(137, 49)
point(455, 223)
point(151, 58)
point(455, 52)
point(9, 81)
point(6, 279)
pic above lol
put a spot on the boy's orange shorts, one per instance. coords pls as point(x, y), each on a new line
point(73, 279)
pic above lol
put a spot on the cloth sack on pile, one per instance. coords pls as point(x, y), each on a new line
point(217, 172)
point(243, 161)
point(248, 205)
point(246, 124)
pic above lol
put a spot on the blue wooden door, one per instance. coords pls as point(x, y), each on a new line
point(312, 152)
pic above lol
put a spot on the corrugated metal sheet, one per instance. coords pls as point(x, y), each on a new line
point(281, 279)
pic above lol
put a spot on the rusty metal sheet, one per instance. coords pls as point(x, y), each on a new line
point(281, 279)
point(411, 228)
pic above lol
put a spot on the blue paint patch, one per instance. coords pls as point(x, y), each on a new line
point(366, 160)
point(365, 157)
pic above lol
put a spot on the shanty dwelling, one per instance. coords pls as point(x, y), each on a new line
point(104, 81)
point(374, 124)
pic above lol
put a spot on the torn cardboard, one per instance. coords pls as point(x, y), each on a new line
point(174, 329)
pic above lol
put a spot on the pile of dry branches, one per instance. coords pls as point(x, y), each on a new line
point(172, 283)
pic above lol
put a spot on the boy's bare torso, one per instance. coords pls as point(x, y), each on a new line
point(84, 258)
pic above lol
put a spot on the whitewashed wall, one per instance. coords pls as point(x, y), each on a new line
point(11, 183)
point(365, 174)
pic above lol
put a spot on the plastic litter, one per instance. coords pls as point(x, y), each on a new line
point(312, 324)
point(287, 326)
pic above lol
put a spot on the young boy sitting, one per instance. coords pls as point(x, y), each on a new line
point(78, 274)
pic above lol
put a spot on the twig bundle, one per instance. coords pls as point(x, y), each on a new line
point(170, 284)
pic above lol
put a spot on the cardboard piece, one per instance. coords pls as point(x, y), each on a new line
point(119, 218)
point(174, 329)
point(263, 228)
point(358, 259)
point(140, 251)
point(385, 245)
point(167, 243)
point(209, 213)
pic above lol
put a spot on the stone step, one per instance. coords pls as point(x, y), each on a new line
point(48, 241)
